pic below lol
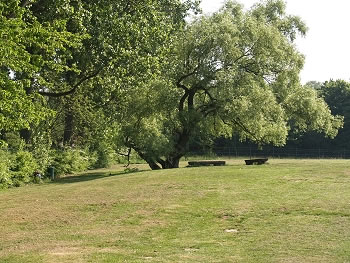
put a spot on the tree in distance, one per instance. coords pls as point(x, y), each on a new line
point(233, 72)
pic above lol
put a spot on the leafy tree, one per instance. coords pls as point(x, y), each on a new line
point(234, 72)
point(125, 45)
point(336, 94)
point(56, 49)
point(22, 34)
point(66, 65)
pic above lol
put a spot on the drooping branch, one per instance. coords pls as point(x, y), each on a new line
point(206, 92)
point(74, 88)
point(208, 109)
point(242, 126)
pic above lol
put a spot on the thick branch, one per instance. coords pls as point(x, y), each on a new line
point(152, 164)
point(23, 4)
point(182, 101)
point(162, 163)
point(65, 93)
point(178, 83)
point(190, 100)
point(206, 92)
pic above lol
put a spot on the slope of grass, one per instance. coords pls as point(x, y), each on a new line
point(285, 211)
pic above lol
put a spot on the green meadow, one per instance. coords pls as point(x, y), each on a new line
point(284, 211)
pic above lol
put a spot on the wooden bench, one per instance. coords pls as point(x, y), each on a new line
point(256, 161)
point(206, 163)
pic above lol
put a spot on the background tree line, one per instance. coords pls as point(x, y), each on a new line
point(83, 82)
point(336, 94)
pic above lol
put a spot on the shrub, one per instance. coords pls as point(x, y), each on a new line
point(5, 176)
point(22, 167)
point(19, 167)
point(105, 157)
point(71, 160)
point(41, 150)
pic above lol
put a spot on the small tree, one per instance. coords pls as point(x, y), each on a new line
point(232, 72)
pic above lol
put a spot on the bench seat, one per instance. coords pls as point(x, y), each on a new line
point(206, 163)
point(256, 161)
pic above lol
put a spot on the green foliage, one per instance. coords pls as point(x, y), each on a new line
point(14, 141)
point(105, 156)
point(5, 176)
point(25, 159)
point(23, 166)
point(65, 66)
point(234, 72)
point(17, 168)
point(309, 112)
point(41, 149)
point(71, 160)
point(336, 93)
point(28, 47)
point(107, 76)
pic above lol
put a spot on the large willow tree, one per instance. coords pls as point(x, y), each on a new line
point(234, 72)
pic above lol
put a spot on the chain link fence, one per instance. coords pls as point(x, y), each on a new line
point(272, 152)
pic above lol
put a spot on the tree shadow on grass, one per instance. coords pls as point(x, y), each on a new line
point(88, 177)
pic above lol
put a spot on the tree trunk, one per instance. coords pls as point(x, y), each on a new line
point(153, 165)
point(68, 128)
point(173, 159)
point(183, 139)
point(172, 162)
point(149, 160)
point(26, 135)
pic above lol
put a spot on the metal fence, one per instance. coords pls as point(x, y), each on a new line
point(273, 152)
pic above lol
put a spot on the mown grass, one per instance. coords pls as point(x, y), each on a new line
point(285, 211)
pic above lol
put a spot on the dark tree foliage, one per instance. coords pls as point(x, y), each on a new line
point(336, 94)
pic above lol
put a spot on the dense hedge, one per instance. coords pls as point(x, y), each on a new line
point(22, 166)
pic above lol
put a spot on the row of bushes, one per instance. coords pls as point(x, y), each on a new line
point(20, 167)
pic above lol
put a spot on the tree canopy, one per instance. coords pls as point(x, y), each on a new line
point(233, 72)
point(336, 93)
point(121, 76)
point(27, 46)
point(55, 49)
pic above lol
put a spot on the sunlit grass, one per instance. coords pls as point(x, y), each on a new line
point(285, 211)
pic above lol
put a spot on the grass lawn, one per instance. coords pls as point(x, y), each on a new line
point(285, 211)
